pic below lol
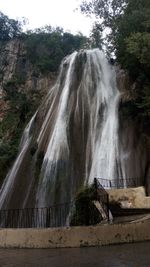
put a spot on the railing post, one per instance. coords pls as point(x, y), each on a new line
point(95, 185)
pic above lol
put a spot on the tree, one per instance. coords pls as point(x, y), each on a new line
point(107, 15)
point(117, 19)
point(46, 47)
point(9, 28)
point(124, 27)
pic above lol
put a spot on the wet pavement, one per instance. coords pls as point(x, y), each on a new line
point(129, 255)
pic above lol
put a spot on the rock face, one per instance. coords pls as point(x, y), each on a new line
point(3, 105)
point(125, 85)
point(16, 68)
point(134, 138)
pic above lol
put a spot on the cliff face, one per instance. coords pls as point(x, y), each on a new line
point(15, 68)
point(22, 88)
point(134, 135)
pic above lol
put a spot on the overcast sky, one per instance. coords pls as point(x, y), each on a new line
point(53, 12)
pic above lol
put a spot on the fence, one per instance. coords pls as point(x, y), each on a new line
point(120, 182)
point(55, 216)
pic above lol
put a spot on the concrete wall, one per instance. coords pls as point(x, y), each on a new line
point(130, 197)
point(75, 236)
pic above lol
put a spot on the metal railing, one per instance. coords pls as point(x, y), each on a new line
point(120, 182)
point(55, 216)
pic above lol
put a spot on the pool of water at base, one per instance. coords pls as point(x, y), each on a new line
point(126, 255)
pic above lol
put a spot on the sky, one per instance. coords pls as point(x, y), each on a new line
point(52, 12)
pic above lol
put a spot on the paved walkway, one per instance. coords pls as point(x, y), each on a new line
point(129, 255)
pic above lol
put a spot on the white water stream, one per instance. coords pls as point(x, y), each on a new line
point(6, 189)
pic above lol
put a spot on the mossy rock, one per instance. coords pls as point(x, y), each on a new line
point(85, 211)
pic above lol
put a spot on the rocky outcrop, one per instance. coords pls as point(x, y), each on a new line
point(125, 85)
point(134, 136)
point(22, 88)
point(16, 69)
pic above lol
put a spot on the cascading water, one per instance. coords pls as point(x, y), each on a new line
point(58, 144)
point(74, 138)
point(104, 122)
point(7, 187)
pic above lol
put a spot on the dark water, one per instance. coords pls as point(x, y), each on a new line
point(130, 255)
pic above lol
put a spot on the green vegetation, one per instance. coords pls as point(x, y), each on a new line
point(9, 28)
point(46, 47)
point(128, 38)
point(12, 125)
point(85, 211)
point(9, 127)
point(20, 111)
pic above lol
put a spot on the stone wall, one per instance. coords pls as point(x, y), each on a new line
point(130, 197)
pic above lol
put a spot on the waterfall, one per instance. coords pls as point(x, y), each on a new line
point(75, 135)
point(7, 187)
point(94, 97)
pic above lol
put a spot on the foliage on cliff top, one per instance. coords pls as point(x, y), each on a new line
point(46, 47)
point(9, 28)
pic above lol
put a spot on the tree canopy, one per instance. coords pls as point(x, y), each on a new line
point(9, 28)
point(46, 47)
